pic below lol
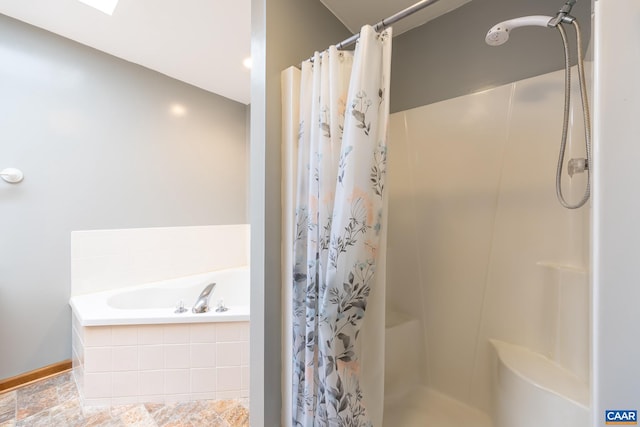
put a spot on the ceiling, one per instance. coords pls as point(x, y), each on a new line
point(177, 38)
point(356, 13)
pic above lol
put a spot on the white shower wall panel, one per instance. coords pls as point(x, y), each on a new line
point(454, 157)
point(476, 181)
point(403, 244)
point(531, 228)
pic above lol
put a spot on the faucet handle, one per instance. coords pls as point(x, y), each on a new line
point(180, 307)
point(220, 307)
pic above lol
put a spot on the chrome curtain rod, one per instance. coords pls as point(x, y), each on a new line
point(388, 21)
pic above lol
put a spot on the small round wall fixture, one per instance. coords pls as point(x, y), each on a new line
point(12, 175)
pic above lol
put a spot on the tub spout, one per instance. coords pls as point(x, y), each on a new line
point(202, 304)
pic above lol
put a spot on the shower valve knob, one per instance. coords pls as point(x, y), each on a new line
point(577, 166)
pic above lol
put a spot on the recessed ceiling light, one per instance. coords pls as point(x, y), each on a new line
point(178, 110)
point(105, 6)
point(247, 62)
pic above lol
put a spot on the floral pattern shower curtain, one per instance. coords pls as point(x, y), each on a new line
point(339, 232)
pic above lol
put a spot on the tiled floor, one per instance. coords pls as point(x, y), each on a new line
point(54, 402)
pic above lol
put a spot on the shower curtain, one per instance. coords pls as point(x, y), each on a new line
point(338, 233)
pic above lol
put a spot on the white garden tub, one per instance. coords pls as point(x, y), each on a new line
point(156, 302)
point(130, 346)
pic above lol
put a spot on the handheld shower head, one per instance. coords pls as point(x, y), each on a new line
point(499, 33)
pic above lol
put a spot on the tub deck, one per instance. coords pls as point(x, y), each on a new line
point(155, 303)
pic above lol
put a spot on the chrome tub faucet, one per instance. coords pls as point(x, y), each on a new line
point(202, 304)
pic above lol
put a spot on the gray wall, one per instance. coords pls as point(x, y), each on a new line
point(285, 32)
point(99, 148)
point(448, 57)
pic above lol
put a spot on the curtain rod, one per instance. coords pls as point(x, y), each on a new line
point(388, 21)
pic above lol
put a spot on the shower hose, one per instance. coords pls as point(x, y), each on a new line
point(565, 125)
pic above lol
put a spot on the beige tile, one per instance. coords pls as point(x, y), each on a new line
point(203, 333)
point(153, 407)
point(137, 416)
point(7, 406)
point(203, 355)
point(244, 402)
point(151, 357)
point(150, 334)
point(229, 332)
point(10, 423)
point(97, 385)
point(206, 418)
point(125, 358)
point(151, 383)
point(171, 413)
point(41, 409)
point(67, 414)
point(33, 400)
point(124, 335)
point(176, 356)
point(228, 354)
point(244, 331)
point(203, 380)
point(220, 406)
point(229, 379)
point(117, 410)
point(96, 402)
point(99, 421)
point(176, 398)
point(244, 360)
point(246, 376)
point(40, 419)
point(211, 395)
point(67, 391)
point(176, 381)
point(125, 384)
point(98, 359)
point(237, 416)
point(229, 395)
point(176, 334)
point(94, 411)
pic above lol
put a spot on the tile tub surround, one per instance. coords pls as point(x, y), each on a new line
point(55, 401)
point(161, 363)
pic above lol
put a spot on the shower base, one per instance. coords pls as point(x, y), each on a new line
point(423, 407)
point(408, 402)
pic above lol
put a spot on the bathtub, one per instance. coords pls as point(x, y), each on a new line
point(156, 302)
point(130, 346)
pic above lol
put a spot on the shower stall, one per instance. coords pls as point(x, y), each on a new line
point(496, 295)
point(480, 251)
point(487, 291)
point(496, 329)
